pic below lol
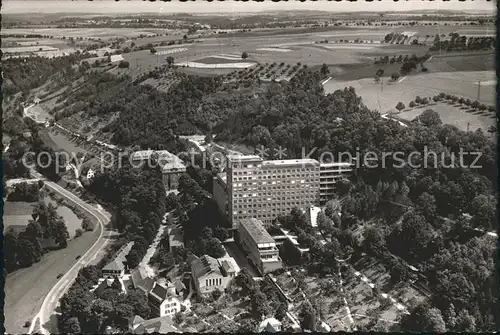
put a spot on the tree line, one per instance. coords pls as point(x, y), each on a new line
point(46, 230)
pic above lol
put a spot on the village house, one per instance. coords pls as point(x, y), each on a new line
point(118, 266)
point(165, 298)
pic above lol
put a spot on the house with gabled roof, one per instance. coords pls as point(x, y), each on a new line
point(270, 325)
point(141, 280)
point(210, 274)
point(117, 266)
point(165, 298)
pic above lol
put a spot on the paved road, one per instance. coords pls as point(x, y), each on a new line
point(52, 299)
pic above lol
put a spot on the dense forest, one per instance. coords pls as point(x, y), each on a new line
point(24, 74)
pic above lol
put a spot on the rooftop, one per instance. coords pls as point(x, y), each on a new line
point(256, 230)
point(290, 162)
point(334, 164)
point(271, 325)
point(161, 325)
point(162, 291)
point(204, 265)
point(117, 264)
point(141, 280)
point(243, 158)
point(175, 237)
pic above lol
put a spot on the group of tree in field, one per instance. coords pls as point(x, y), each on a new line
point(29, 192)
point(459, 42)
point(45, 231)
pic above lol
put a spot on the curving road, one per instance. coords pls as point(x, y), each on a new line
point(52, 299)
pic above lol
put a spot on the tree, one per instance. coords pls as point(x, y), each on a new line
point(412, 104)
point(400, 106)
point(465, 322)
point(259, 305)
point(380, 72)
point(325, 71)
point(116, 285)
point(429, 118)
point(424, 319)
point(216, 294)
point(178, 318)
point(325, 224)
point(28, 252)
point(170, 60)
point(70, 325)
point(78, 232)
point(395, 76)
point(281, 311)
point(247, 326)
point(308, 317)
point(244, 55)
point(214, 248)
point(133, 259)
point(123, 64)
point(221, 233)
point(426, 204)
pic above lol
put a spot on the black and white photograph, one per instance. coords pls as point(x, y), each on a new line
point(249, 166)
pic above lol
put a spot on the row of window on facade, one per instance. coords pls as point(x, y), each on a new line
point(287, 203)
point(213, 282)
point(274, 171)
point(291, 176)
point(239, 197)
point(270, 188)
point(279, 181)
point(261, 214)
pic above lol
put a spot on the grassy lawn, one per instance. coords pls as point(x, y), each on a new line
point(462, 84)
point(455, 115)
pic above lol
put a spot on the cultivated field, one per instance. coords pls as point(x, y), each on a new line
point(103, 33)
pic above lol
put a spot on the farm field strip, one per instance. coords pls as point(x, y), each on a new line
point(216, 66)
point(274, 49)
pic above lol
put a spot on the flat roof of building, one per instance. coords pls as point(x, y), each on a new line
point(291, 162)
point(335, 164)
point(257, 231)
point(243, 158)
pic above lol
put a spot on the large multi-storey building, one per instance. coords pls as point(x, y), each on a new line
point(259, 245)
point(329, 174)
point(265, 189)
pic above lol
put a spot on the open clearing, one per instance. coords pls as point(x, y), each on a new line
point(37, 113)
point(424, 85)
point(19, 213)
point(455, 115)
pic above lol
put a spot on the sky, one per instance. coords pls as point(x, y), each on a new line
point(200, 6)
